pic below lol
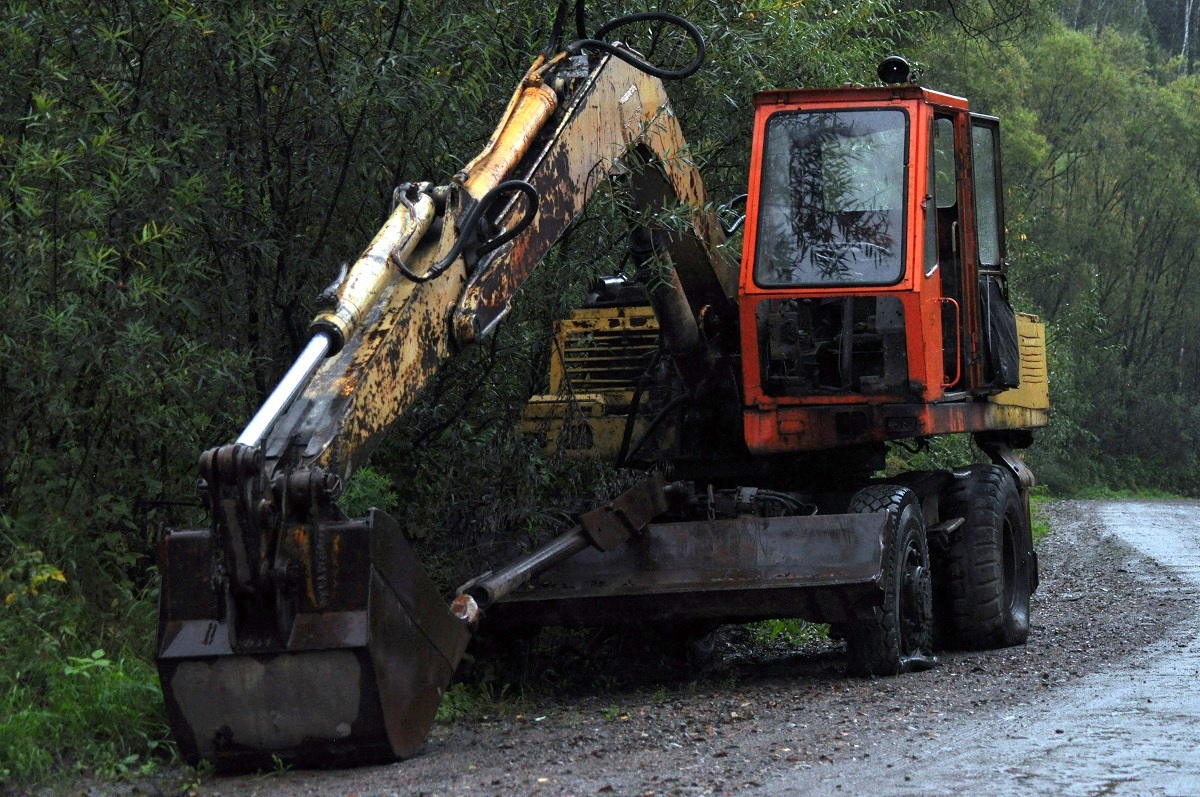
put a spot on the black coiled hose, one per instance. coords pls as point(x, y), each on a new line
point(597, 43)
point(470, 220)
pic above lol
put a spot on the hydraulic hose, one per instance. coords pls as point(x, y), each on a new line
point(597, 43)
point(470, 220)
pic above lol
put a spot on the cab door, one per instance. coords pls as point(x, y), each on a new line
point(979, 340)
point(1000, 361)
point(944, 252)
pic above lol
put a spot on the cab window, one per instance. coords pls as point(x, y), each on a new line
point(832, 199)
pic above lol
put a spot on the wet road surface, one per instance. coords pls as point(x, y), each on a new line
point(1131, 730)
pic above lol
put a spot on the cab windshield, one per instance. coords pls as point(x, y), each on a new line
point(831, 204)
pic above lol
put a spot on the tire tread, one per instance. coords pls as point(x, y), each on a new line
point(870, 646)
point(972, 583)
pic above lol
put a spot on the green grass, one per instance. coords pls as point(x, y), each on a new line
point(1106, 493)
point(470, 701)
point(1038, 497)
point(78, 689)
point(106, 711)
point(793, 632)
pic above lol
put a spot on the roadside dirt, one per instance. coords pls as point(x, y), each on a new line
point(610, 717)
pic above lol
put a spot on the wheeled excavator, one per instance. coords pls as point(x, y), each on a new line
point(869, 307)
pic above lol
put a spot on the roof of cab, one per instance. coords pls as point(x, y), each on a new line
point(870, 94)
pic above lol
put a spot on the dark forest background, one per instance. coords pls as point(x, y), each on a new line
point(178, 181)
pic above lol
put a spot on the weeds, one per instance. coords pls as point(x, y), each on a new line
point(368, 489)
point(77, 691)
point(467, 701)
point(108, 709)
point(1038, 497)
point(460, 701)
point(791, 632)
point(1108, 494)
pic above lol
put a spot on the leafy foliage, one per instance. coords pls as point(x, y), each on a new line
point(368, 489)
point(58, 688)
point(1104, 213)
point(110, 706)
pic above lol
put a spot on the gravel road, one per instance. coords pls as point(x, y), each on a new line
point(602, 720)
point(1130, 729)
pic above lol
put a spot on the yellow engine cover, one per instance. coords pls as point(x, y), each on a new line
point(1034, 390)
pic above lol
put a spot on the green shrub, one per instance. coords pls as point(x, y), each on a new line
point(65, 705)
point(368, 489)
point(107, 711)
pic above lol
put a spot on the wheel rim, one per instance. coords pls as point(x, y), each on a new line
point(1009, 559)
point(916, 615)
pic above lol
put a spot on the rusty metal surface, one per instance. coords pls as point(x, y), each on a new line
point(400, 571)
point(612, 524)
point(319, 707)
point(281, 597)
point(357, 394)
point(820, 566)
point(604, 351)
point(413, 328)
point(490, 587)
point(411, 667)
point(356, 676)
point(1002, 454)
point(831, 604)
point(1034, 390)
point(189, 613)
point(529, 109)
point(779, 428)
point(401, 334)
point(375, 268)
point(603, 528)
point(599, 359)
point(618, 108)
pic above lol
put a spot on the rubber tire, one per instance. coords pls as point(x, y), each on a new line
point(899, 637)
point(986, 572)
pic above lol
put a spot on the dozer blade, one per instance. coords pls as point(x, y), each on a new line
point(823, 568)
point(368, 647)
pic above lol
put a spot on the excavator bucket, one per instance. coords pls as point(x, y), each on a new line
point(364, 646)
